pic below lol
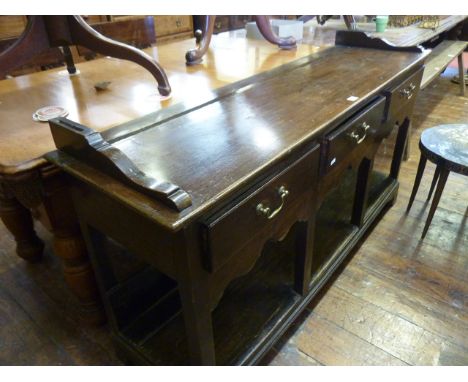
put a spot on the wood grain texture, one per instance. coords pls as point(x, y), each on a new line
point(236, 127)
point(131, 94)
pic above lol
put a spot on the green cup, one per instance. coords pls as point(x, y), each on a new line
point(381, 23)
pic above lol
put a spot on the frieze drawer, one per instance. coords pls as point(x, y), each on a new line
point(356, 134)
point(403, 96)
point(273, 205)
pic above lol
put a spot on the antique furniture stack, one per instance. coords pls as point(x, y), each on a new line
point(198, 197)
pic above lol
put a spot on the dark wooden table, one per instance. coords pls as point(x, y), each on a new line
point(29, 183)
point(199, 194)
point(447, 147)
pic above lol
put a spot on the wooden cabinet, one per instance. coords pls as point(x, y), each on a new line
point(173, 27)
point(217, 288)
point(224, 23)
point(166, 28)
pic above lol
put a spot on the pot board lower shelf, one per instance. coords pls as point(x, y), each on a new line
point(256, 309)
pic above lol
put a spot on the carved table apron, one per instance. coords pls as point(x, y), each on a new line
point(258, 164)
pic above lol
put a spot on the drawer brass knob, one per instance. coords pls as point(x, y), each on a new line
point(360, 137)
point(408, 92)
point(266, 211)
point(178, 23)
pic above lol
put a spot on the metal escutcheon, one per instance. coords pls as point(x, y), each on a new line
point(266, 211)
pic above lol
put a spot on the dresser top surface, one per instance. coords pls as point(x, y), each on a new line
point(132, 93)
point(214, 150)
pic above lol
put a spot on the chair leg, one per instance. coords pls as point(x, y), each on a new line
point(434, 182)
point(417, 181)
point(195, 56)
point(444, 173)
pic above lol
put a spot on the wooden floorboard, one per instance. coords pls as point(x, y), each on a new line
point(397, 301)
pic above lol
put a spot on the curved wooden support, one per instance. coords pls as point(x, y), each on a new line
point(32, 41)
point(83, 34)
point(350, 22)
point(264, 26)
point(89, 146)
point(203, 39)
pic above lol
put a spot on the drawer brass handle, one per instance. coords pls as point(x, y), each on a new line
point(218, 25)
point(408, 92)
point(356, 136)
point(266, 211)
point(178, 23)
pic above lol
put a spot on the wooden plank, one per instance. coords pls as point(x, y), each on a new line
point(21, 340)
point(90, 346)
point(442, 55)
point(387, 331)
point(289, 355)
point(417, 308)
point(418, 277)
point(330, 344)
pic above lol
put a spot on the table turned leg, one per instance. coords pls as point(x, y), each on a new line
point(417, 181)
point(19, 222)
point(69, 246)
point(444, 173)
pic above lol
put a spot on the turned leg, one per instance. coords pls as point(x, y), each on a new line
point(264, 26)
point(417, 181)
point(203, 39)
point(362, 191)
point(434, 182)
point(444, 173)
point(19, 222)
point(82, 34)
point(69, 246)
point(304, 253)
point(461, 73)
point(400, 143)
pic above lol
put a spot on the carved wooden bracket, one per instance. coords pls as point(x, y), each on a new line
point(89, 146)
point(362, 39)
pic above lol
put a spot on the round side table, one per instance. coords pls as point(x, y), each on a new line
point(447, 147)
